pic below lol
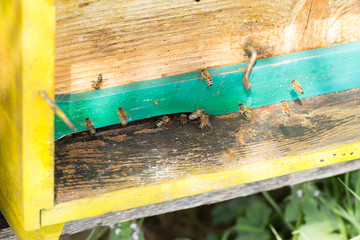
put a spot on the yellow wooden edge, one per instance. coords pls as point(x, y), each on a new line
point(38, 58)
point(144, 195)
point(11, 202)
point(51, 232)
point(27, 53)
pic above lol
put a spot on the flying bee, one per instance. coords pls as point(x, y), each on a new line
point(204, 121)
point(297, 86)
point(205, 74)
point(162, 121)
point(198, 113)
point(183, 119)
point(97, 84)
point(122, 116)
point(90, 126)
point(286, 108)
point(246, 113)
point(240, 137)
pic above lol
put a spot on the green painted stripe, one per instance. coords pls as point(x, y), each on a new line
point(320, 71)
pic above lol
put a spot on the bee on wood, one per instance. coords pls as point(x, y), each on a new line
point(244, 111)
point(183, 118)
point(204, 121)
point(97, 84)
point(122, 116)
point(229, 153)
point(90, 126)
point(297, 86)
point(240, 137)
point(162, 121)
point(205, 74)
point(198, 113)
point(286, 108)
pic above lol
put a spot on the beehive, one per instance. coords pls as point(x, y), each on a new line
point(150, 54)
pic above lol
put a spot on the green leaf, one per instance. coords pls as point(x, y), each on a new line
point(254, 236)
point(125, 231)
point(292, 211)
point(258, 213)
point(222, 214)
point(318, 230)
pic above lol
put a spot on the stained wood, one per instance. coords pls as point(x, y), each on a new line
point(141, 154)
point(197, 200)
point(137, 40)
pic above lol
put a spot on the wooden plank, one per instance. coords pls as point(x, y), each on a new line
point(210, 197)
point(139, 165)
point(26, 146)
point(200, 199)
point(318, 70)
point(141, 154)
point(130, 41)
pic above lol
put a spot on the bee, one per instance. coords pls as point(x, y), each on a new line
point(297, 86)
point(122, 116)
point(204, 121)
point(244, 111)
point(198, 113)
point(229, 153)
point(162, 121)
point(183, 119)
point(205, 74)
point(240, 137)
point(156, 102)
point(286, 108)
point(57, 110)
point(90, 126)
point(97, 84)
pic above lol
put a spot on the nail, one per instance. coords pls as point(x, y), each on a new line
point(245, 78)
point(57, 110)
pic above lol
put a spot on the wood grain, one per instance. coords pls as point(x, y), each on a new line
point(141, 154)
point(197, 200)
point(132, 40)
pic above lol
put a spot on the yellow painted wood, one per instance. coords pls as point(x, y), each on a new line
point(27, 33)
point(187, 186)
point(52, 232)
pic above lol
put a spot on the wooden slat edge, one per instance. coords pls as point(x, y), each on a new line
point(144, 195)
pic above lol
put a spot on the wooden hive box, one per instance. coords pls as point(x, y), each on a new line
point(150, 54)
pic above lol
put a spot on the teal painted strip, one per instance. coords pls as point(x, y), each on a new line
point(320, 71)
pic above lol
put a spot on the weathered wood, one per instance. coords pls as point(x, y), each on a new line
point(201, 199)
point(141, 154)
point(130, 41)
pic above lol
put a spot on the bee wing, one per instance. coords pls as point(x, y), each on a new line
point(248, 102)
point(193, 116)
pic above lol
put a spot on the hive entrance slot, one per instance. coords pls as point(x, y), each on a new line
point(140, 154)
